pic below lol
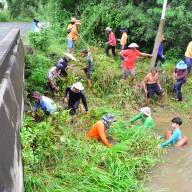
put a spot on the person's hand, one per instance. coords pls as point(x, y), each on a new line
point(145, 92)
point(33, 114)
point(65, 100)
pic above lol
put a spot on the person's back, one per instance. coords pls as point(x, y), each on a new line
point(148, 122)
point(130, 56)
point(94, 131)
point(47, 104)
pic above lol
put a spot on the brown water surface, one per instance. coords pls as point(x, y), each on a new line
point(174, 174)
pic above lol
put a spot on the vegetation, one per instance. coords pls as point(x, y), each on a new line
point(57, 156)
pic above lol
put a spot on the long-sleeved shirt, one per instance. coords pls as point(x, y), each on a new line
point(176, 136)
point(112, 39)
point(147, 121)
point(160, 50)
point(75, 97)
point(98, 131)
point(46, 104)
point(90, 62)
point(181, 74)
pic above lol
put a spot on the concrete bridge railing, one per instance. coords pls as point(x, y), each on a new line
point(11, 111)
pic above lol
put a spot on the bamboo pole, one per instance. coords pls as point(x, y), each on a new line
point(159, 34)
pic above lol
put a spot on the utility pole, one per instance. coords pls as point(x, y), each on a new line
point(159, 34)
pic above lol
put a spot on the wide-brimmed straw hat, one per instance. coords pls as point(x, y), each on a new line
point(181, 65)
point(109, 118)
point(78, 86)
point(108, 29)
point(133, 45)
point(73, 19)
point(70, 56)
point(146, 111)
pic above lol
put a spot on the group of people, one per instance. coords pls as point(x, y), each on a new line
point(129, 54)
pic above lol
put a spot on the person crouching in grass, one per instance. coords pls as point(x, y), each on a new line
point(152, 86)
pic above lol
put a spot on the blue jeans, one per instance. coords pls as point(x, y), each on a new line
point(159, 58)
point(177, 88)
point(188, 61)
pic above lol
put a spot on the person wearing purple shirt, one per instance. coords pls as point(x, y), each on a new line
point(160, 56)
point(180, 75)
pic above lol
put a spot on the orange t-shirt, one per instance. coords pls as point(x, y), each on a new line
point(73, 35)
point(129, 57)
point(98, 131)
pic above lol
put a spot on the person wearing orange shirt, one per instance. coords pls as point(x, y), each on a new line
point(72, 34)
point(188, 57)
point(123, 41)
point(129, 57)
point(99, 129)
point(152, 85)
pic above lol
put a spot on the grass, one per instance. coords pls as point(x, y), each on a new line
point(58, 157)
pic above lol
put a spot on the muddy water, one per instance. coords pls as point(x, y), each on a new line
point(174, 174)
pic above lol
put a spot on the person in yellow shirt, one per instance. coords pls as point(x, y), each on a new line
point(123, 41)
point(72, 34)
point(188, 57)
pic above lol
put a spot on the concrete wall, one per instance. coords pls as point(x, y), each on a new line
point(11, 111)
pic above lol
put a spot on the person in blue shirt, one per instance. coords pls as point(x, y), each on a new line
point(45, 103)
point(160, 56)
point(176, 133)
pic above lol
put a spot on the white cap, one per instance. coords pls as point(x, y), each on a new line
point(133, 45)
point(78, 86)
point(146, 111)
point(70, 56)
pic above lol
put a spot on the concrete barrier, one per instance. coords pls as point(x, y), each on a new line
point(11, 111)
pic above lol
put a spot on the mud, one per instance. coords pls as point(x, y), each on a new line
point(174, 174)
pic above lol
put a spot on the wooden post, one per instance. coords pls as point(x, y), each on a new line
point(158, 36)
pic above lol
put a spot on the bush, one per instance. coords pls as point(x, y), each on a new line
point(40, 40)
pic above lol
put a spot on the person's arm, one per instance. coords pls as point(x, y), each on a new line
point(84, 100)
point(66, 92)
point(169, 141)
point(144, 83)
point(145, 54)
point(101, 130)
point(36, 105)
point(135, 118)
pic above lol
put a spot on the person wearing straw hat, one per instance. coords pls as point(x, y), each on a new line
point(151, 85)
point(72, 34)
point(90, 68)
point(180, 75)
point(129, 57)
point(123, 41)
point(160, 56)
point(144, 116)
point(111, 44)
point(72, 96)
point(45, 103)
point(100, 129)
point(64, 62)
point(188, 57)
